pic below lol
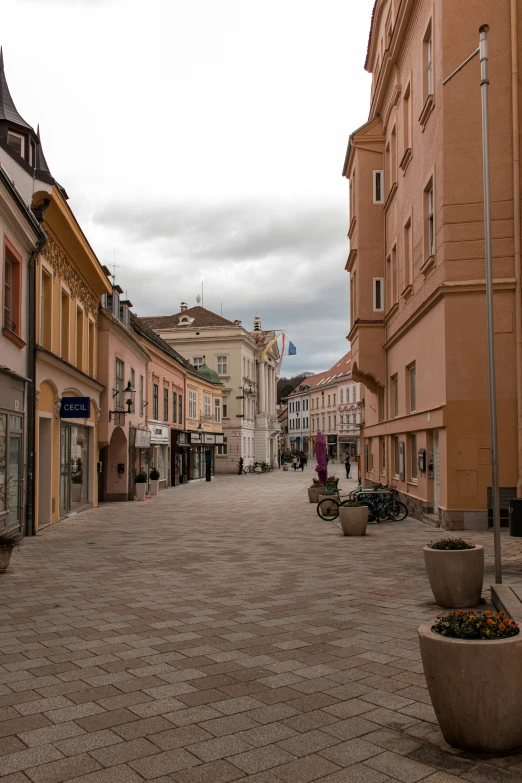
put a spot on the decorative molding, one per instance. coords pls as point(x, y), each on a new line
point(427, 265)
point(57, 406)
point(405, 160)
point(57, 258)
point(426, 111)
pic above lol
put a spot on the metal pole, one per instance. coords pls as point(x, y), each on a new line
point(484, 83)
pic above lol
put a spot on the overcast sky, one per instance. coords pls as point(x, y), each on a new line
point(204, 141)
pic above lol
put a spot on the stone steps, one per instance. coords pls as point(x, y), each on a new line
point(432, 520)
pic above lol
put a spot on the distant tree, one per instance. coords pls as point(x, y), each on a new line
point(286, 386)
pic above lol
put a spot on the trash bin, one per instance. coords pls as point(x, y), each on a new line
point(515, 517)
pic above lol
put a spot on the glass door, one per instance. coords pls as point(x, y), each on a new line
point(65, 469)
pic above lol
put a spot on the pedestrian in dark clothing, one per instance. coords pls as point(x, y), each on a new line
point(348, 466)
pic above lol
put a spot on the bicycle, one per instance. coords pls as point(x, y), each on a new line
point(382, 505)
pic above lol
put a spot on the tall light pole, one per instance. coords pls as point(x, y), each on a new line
point(484, 84)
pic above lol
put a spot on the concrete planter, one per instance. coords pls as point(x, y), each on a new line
point(140, 491)
point(285, 466)
point(456, 576)
point(313, 494)
point(354, 520)
point(476, 690)
point(154, 486)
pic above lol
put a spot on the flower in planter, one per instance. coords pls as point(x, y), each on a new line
point(451, 544)
point(475, 625)
point(141, 478)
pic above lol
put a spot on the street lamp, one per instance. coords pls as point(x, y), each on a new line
point(482, 50)
point(130, 393)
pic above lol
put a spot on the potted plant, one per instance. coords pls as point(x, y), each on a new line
point(473, 668)
point(154, 480)
point(314, 491)
point(331, 486)
point(456, 571)
point(354, 519)
point(7, 546)
point(141, 483)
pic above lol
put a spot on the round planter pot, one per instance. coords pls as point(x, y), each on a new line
point(140, 491)
point(456, 576)
point(285, 466)
point(313, 494)
point(154, 486)
point(476, 690)
point(354, 520)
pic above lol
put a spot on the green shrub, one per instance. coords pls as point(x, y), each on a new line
point(141, 478)
point(451, 544)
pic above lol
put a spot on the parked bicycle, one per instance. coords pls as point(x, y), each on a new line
point(382, 504)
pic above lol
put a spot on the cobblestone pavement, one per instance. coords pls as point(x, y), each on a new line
point(222, 632)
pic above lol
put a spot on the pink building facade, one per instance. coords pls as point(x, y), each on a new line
point(416, 259)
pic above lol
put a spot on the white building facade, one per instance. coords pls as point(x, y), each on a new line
point(350, 418)
point(248, 374)
point(299, 419)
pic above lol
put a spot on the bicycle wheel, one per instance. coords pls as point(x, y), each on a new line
point(399, 511)
point(328, 509)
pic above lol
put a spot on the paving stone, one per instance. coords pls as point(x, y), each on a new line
point(121, 774)
point(305, 770)
point(308, 742)
point(267, 734)
point(350, 728)
point(230, 724)
point(164, 763)
point(50, 734)
point(350, 752)
point(261, 759)
point(123, 752)
point(400, 767)
point(214, 772)
point(485, 773)
point(358, 773)
point(395, 741)
point(64, 769)
point(219, 747)
point(441, 759)
point(87, 742)
point(142, 728)
point(24, 759)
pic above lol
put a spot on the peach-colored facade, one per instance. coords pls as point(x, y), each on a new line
point(416, 260)
point(121, 359)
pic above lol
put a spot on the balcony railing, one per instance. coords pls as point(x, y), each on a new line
point(9, 324)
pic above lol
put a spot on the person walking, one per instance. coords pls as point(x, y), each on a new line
point(294, 462)
point(348, 466)
point(302, 462)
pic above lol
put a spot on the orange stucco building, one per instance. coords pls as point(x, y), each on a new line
point(416, 259)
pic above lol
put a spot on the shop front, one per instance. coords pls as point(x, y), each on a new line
point(202, 454)
point(159, 452)
point(332, 446)
point(139, 446)
point(347, 445)
point(12, 441)
point(75, 449)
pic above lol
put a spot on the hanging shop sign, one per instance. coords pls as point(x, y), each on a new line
point(159, 433)
point(219, 439)
point(75, 408)
point(195, 437)
point(209, 437)
point(142, 440)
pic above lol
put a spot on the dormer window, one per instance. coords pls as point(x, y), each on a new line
point(185, 320)
point(17, 143)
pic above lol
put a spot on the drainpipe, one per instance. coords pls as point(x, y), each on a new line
point(516, 224)
point(31, 386)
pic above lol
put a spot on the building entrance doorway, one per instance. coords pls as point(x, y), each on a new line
point(436, 472)
point(45, 462)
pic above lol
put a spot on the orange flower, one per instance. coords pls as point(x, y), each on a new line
point(488, 614)
point(502, 627)
point(491, 622)
point(502, 614)
point(461, 612)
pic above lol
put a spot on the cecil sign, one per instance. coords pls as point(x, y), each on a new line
point(75, 407)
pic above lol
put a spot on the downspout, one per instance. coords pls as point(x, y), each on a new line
point(516, 231)
point(31, 387)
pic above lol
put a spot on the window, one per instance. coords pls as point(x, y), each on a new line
point(412, 386)
point(383, 455)
point(65, 300)
point(206, 405)
point(406, 119)
point(222, 449)
point(328, 400)
point(378, 291)
point(141, 396)
point(413, 456)
point(329, 422)
point(91, 347)
point(222, 365)
point(378, 187)
point(393, 157)
point(429, 203)
point(46, 300)
point(428, 54)
point(396, 456)
point(323, 421)
point(174, 407)
point(8, 296)
point(133, 381)
point(198, 361)
point(322, 399)
point(79, 338)
point(118, 390)
point(394, 390)
point(341, 396)
point(335, 421)
point(165, 403)
point(192, 404)
point(380, 402)
point(180, 409)
point(225, 412)
point(407, 254)
point(391, 278)
point(217, 410)
point(16, 142)
point(116, 302)
point(334, 399)
point(155, 401)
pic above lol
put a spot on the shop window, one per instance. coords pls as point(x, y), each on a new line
point(155, 401)
point(65, 320)
point(79, 338)
point(217, 410)
point(74, 462)
point(165, 404)
point(174, 407)
point(192, 404)
point(46, 315)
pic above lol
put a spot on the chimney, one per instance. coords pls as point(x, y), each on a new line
point(184, 307)
point(257, 323)
point(238, 323)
